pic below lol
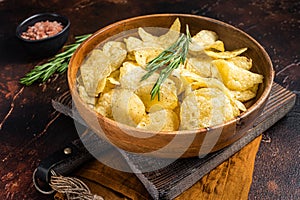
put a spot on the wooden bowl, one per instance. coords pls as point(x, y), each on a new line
point(177, 143)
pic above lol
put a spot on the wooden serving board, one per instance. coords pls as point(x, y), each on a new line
point(170, 181)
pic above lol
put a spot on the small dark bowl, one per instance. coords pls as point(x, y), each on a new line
point(48, 46)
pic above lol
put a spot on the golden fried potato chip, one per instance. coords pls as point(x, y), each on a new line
point(238, 105)
point(242, 62)
point(104, 104)
point(217, 45)
point(205, 37)
point(246, 94)
point(112, 81)
point(90, 100)
point(171, 36)
point(243, 95)
point(133, 43)
point(127, 107)
point(165, 40)
point(161, 120)
point(131, 75)
point(225, 54)
point(168, 94)
point(195, 82)
point(116, 51)
point(143, 56)
point(130, 57)
point(236, 78)
point(215, 73)
point(101, 85)
point(94, 72)
point(175, 77)
point(192, 81)
point(114, 77)
point(189, 77)
point(202, 39)
point(146, 37)
point(205, 107)
point(140, 51)
point(200, 65)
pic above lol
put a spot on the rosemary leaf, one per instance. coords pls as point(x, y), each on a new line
point(167, 61)
point(57, 64)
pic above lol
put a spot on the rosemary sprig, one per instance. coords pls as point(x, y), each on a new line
point(167, 61)
point(58, 63)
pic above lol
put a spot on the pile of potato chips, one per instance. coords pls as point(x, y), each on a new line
point(207, 90)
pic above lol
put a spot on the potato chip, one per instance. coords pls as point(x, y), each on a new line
point(196, 82)
point(236, 78)
point(130, 78)
point(215, 73)
point(127, 107)
point(112, 81)
point(205, 37)
point(190, 77)
point(217, 45)
point(171, 36)
point(104, 104)
point(191, 81)
point(243, 95)
point(242, 62)
point(238, 105)
point(90, 100)
point(161, 120)
point(146, 37)
point(155, 107)
point(114, 77)
point(225, 54)
point(175, 77)
point(145, 55)
point(202, 39)
point(168, 94)
point(131, 75)
point(140, 51)
point(200, 65)
point(116, 51)
point(205, 107)
point(165, 40)
point(133, 43)
point(130, 57)
point(101, 85)
point(94, 72)
point(246, 94)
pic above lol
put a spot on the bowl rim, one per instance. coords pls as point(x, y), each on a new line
point(36, 16)
point(236, 120)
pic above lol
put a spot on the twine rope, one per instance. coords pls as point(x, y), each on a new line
point(72, 187)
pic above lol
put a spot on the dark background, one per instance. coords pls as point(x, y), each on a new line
point(30, 129)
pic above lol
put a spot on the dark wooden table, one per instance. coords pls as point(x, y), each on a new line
point(30, 129)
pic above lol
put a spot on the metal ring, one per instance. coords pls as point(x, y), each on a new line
point(37, 187)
